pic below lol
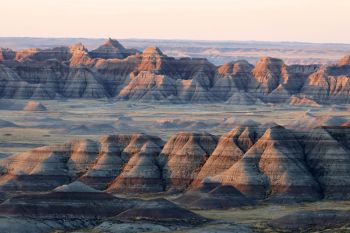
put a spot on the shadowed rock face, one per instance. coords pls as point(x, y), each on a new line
point(339, 130)
point(75, 200)
point(79, 201)
point(183, 156)
point(273, 167)
point(232, 78)
point(7, 54)
point(256, 161)
point(4, 124)
point(230, 149)
point(113, 71)
point(329, 161)
point(141, 174)
point(162, 211)
point(111, 49)
point(109, 161)
point(126, 163)
point(213, 196)
point(40, 169)
point(95, 163)
point(149, 86)
point(81, 83)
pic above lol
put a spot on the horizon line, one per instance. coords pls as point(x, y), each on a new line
point(179, 39)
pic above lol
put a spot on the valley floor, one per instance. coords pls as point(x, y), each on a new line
point(265, 212)
point(65, 120)
point(62, 121)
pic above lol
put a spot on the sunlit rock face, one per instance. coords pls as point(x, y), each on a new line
point(344, 61)
point(225, 154)
point(113, 71)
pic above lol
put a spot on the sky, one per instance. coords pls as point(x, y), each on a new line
point(259, 20)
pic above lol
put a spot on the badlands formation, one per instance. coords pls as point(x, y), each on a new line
point(88, 181)
point(260, 162)
point(112, 71)
point(171, 167)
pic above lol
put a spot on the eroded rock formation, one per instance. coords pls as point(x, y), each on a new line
point(113, 71)
point(259, 162)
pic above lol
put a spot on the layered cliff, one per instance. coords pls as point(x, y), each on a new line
point(251, 162)
point(114, 71)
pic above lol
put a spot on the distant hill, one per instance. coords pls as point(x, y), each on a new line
point(113, 70)
point(217, 52)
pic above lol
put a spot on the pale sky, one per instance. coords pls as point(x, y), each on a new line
point(267, 20)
